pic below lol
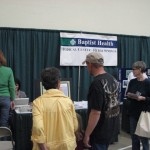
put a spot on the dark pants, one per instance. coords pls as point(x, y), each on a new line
point(99, 147)
point(135, 138)
point(4, 110)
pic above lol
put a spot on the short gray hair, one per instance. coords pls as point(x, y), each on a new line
point(140, 64)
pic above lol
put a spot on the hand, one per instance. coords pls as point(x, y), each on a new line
point(132, 95)
point(141, 98)
point(86, 141)
point(42, 146)
point(12, 105)
point(79, 136)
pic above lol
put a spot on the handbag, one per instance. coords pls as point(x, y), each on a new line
point(143, 125)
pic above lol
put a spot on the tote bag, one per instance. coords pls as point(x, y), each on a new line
point(143, 125)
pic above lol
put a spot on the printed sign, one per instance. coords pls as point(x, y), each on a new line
point(75, 47)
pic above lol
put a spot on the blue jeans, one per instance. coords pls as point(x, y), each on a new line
point(135, 138)
point(99, 146)
point(4, 110)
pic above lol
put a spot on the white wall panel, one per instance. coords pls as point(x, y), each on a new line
point(103, 16)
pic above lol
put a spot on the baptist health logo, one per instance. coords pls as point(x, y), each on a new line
point(73, 42)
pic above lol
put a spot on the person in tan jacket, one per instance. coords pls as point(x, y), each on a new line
point(54, 117)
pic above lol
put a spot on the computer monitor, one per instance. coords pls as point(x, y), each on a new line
point(64, 87)
point(21, 101)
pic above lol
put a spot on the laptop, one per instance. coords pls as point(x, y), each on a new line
point(21, 102)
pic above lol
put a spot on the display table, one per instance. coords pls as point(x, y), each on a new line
point(81, 109)
point(22, 125)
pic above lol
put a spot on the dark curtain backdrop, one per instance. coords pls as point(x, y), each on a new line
point(28, 51)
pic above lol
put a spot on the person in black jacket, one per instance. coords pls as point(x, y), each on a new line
point(138, 94)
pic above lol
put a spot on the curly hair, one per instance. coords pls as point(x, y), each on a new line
point(50, 77)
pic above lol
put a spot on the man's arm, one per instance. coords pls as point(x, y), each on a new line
point(42, 146)
point(92, 122)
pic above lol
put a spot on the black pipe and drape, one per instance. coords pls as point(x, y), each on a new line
point(28, 51)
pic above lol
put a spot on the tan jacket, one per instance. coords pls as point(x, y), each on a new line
point(54, 121)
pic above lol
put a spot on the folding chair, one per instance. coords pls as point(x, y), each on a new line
point(6, 132)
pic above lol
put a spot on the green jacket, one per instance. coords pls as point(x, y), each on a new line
point(7, 84)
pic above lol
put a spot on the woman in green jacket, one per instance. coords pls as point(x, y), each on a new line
point(7, 90)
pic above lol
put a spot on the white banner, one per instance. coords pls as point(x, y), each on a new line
point(75, 47)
